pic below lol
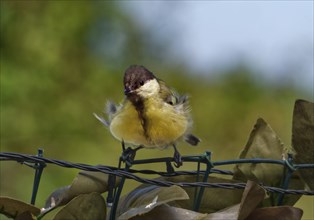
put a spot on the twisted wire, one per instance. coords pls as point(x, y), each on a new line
point(23, 158)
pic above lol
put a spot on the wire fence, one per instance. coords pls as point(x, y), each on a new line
point(38, 162)
point(34, 159)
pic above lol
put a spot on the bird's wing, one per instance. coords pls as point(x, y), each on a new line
point(111, 109)
point(102, 120)
point(180, 102)
point(167, 94)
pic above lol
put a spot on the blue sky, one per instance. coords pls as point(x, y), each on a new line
point(275, 37)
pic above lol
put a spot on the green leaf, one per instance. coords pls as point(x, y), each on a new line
point(276, 213)
point(13, 208)
point(251, 198)
point(264, 143)
point(145, 199)
point(303, 138)
point(213, 199)
point(57, 198)
point(165, 211)
point(85, 182)
point(50, 214)
point(25, 216)
point(85, 206)
point(88, 182)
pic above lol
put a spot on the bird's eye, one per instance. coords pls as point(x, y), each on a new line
point(141, 83)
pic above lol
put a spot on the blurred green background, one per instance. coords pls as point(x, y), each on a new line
point(52, 81)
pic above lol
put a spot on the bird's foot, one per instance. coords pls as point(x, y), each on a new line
point(128, 154)
point(177, 158)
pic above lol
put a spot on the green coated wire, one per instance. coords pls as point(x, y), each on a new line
point(39, 168)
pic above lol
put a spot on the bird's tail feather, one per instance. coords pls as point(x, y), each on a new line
point(191, 139)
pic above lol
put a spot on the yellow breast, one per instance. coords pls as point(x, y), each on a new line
point(125, 125)
point(164, 124)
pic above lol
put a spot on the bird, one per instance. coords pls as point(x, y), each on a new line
point(151, 115)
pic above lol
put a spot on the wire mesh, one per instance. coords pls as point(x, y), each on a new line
point(38, 162)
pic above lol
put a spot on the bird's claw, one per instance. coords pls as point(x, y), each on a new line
point(128, 155)
point(177, 159)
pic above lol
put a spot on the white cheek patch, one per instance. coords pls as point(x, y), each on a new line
point(150, 88)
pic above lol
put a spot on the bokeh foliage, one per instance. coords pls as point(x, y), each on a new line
point(61, 61)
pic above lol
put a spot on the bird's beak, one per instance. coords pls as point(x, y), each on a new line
point(127, 91)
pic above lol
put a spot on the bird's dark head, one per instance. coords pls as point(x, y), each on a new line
point(140, 81)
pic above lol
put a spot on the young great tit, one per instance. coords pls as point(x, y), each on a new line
point(151, 115)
